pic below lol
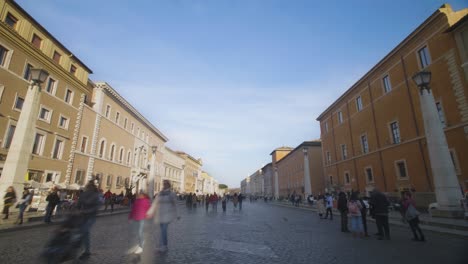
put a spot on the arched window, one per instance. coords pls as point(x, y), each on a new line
point(112, 152)
point(121, 155)
point(102, 148)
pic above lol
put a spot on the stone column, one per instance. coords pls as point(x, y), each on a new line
point(19, 154)
point(276, 183)
point(307, 187)
point(446, 184)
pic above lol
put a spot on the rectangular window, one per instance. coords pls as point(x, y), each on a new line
point(344, 151)
point(58, 149)
point(79, 177)
point(369, 175)
point(36, 41)
point(119, 181)
point(44, 114)
point(9, 136)
point(386, 83)
point(56, 57)
point(3, 55)
point(11, 20)
point(395, 132)
point(359, 103)
point(49, 177)
point(27, 72)
point(73, 69)
point(347, 178)
point(340, 117)
point(84, 144)
point(125, 123)
point(109, 181)
point(68, 96)
point(440, 111)
point(328, 157)
point(108, 109)
point(364, 144)
point(19, 103)
point(38, 144)
point(63, 122)
point(132, 127)
point(50, 86)
point(117, 117)
point(401, 169)
point(424, 57)
point(326, 126)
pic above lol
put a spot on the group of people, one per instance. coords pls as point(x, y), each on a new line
point(10, 199)
point(355, 208)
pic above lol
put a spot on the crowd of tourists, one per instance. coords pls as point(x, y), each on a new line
point(356, 208)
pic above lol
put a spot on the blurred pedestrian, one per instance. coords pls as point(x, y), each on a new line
point(343, 208)
point(354, 209)
point(23, 204)
point(321, 206)
point(240, 198)
point(194, 200)
point(88, 204)
point(207, 201)
point(8, 200)
point(223, 203)
point(107, 199)
point(137, 221)
point(164, 211)
point(412, 216)
point(53, 200)
point(235, 200)
point(364, 214)
point(329, 206)
point(214, 202)
point(379, 210)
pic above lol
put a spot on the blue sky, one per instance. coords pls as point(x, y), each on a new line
point(229, 81)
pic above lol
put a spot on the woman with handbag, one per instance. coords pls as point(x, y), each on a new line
point(8, 200)
point(412, 216)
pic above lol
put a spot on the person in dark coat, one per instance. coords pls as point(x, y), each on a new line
point(343, 208)
point(379, 210)
point(88, 204)
point(363, 215)
point(53, 200)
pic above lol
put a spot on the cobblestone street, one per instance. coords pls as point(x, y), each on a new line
point(260, 233)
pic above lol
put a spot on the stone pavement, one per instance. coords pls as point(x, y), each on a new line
point(260, 233)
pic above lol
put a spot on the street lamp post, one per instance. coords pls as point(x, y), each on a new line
point(17, 160)
point(307, 185)
point(446, 186)
point(152, 172)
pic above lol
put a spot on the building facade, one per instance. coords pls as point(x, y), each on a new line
point(292, 170)
point(174, 170)
point(192, 173)
point(268, 180)
point(115, 145)
point(24, 45)
point(373, 135)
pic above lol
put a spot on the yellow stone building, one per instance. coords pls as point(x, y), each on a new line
point(192, 173)
point(373, 135)
point(25, 44)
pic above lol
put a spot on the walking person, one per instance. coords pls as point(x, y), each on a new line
point(8, 200)
point(164, 211)
point(240, 198)
point(343, 208)
point(379, 210)
point(23, 204)
point(412, 216)
point(107, 199)
point(329, 206)
point(88, 204)
point(354, 209)
point(364, 214)
point(194, 200)
point(137, 221)
point(223, 203)
point(214, 202)
point(53, 200)
point(321, 206)
point(235, 200)
point(207, 201)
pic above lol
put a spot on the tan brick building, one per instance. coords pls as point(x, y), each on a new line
point(373, 135)
point(290, 168)
point(192, 172)
point(25, 44)
point(115, 144)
